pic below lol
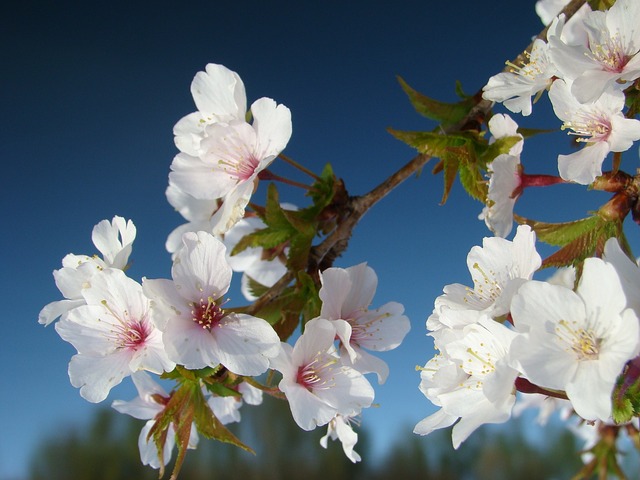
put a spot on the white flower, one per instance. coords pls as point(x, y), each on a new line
point(145, 407)
point(498, 269)
point(113, 334)
point(197, 332)
point(608, 56)
point(339, 428)
point(504, 182)
point(576, 341)
point(346, 295)
point(233, 153)
point(114, 240)
point(600, 124)
point(515, 88)
point(317, 385)
point(219, 95)
point(472, 381)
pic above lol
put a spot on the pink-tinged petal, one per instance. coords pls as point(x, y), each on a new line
point(114, 240)
point(188, 133)
point(166, 302)
point(541, 305)
point(272, 124)
point(197, 178)
point(89, 328)
point(364, 282)
point(188, 344)
point(319, 335)
point(97, 375)
point(152, 356)
point(590, 394)
point(584, 165)
point(245, 344)
point(622, 19)
point(282, 362)
point(382, 329)
point(484, 413)
point(120, 295)
point(436, 421)
point(191, 208)
point(624, 131)
point(232, 208)
point(201, 269)
point(364, 363)
point(343, 332)
point(336, 286)
point(53, 310)
point(591, 84)
point(307, 410)
point(349, 393)
point(601, 290)
point(219, 92)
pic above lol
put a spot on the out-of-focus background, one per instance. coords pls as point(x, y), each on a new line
point(90, 93)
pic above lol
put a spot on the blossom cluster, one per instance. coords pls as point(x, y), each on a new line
point(571, 342)
point(586, 64)
point(182, 329)
point(510, 332)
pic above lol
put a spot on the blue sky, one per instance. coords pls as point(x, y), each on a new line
point(90, 95)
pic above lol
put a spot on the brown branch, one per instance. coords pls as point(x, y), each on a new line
point(336, 242)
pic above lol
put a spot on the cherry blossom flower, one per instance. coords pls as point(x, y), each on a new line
point(346, 295)
point(600, 124)
point(113, 334)
point(472, 381)
point(233, 153)
point(197, 331)
point(114, 240)
point(578, 341)
point(498, 269)
point(146, 406)
point(339, 428)
point(219, 95)
point(515, 88)
point(316, 383)
point(504, 178)
point(607, 58)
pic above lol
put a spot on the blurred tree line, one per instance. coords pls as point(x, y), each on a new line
point(107, 450)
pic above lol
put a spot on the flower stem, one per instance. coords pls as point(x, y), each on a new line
point(295, 164)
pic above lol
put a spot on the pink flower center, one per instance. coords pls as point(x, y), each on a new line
point(317, 374)
point(132, 335)
point(127, 332)
point(591, 126)
point(207, 313)
point(610, 54)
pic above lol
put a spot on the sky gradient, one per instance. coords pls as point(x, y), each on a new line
point(89, 99)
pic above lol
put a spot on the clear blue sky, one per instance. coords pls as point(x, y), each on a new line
point(90, 95)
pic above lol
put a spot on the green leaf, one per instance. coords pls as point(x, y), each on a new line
point(530, 132)
point(442, 112)
point(579, 239)
point(560, 234)
point(221, 390)
point(488, 153)
point(209, 426)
